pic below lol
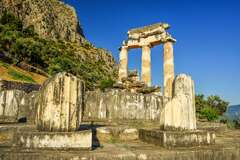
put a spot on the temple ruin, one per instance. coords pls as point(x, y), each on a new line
point(146, 38)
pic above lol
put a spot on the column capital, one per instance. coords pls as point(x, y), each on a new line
point(169, 40)
point(123, 47)
point(146, 45)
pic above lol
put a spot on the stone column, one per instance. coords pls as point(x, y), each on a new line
point(123, 66)
point(168, 67)
point(146, 64)
point(60, 104)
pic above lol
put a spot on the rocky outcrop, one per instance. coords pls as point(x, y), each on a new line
point(60, 105)
point(120, 105)
point(179, 112)
point(51, 19)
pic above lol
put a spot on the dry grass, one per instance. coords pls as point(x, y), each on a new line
point(6, 73)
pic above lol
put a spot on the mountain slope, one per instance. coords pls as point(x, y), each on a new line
point(50, 18)
point(24, 44)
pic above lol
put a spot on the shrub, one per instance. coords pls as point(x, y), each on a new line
point(209, 113)
point(108, 83)
point(214, 102)
point(217, 103)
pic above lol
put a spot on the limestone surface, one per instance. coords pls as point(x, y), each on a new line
point(168, 69)
point(60, 103)
point(18, 101)
point(147, 37)
point(10, 104)
point(179, 112)
point(118, 105)
point(153, 34)
point(146, 65)
point(173, 139)
point(28, 107)
point(226, 148)
point(54, 140)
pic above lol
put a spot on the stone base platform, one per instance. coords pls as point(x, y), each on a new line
point(227, 147)
point(106, 134)
point(8, 119)
point(172, 139)
point(81, 140)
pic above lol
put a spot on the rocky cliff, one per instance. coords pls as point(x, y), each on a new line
point(60, 44)
point(50, 18)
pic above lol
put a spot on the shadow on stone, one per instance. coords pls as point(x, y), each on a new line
point(93, 128)
point(22, 120)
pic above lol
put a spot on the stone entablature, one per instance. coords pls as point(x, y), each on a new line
point(149, 35)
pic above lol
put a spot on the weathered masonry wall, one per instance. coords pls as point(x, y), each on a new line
point(17, 100)
point(17, 104)
point(10, 104)
point(116, 104)
point(26, 87)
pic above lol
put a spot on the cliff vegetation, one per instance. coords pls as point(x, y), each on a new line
point(23, 47)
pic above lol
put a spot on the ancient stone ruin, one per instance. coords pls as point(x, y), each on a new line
point(127, 121)
point(60, 104)
point(58, 118)
point(178, 108)
point(178, 119)
point(179, 112)
point(145, 38)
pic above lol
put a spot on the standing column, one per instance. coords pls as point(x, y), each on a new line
point(146, 65)
point(168, 67)
point(123, 67)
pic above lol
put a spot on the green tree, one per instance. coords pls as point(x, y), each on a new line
point(200, 102)
point(209, 113)
point(210, 106)
point(217, 103)
point(10, 20)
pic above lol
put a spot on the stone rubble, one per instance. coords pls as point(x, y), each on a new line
point(134, 85)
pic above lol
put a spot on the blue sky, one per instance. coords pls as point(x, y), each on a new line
point(207, 33)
